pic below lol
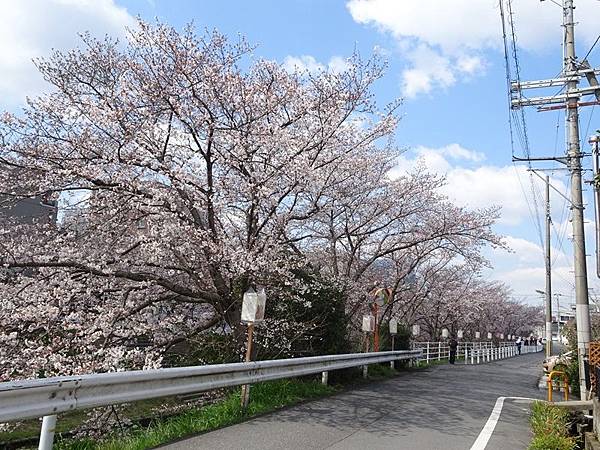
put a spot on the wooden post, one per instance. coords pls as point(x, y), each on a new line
point(392, 362)
point(246, 387)
point(376, 336)
point(366, 367)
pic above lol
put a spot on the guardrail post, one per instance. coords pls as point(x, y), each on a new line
point(439, 351)
point(427, 352)
point(466, 355)
point(324, 377)
point(47, 433)
point(365, 371)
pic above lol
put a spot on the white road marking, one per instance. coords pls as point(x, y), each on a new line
point(490, 425)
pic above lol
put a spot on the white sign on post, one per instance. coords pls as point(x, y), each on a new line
point(393, 326)
point(368, 323)
point(253, 306)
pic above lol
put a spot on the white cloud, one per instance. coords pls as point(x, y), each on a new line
point(455, 151)
point(308, 63)
point(32, 28)
point(445, 40)
point(429, 69)
point(438, 160)
point(476, 186)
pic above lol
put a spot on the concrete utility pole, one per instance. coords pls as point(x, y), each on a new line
point(582, 312)
point(548, 291)
point(573, 71)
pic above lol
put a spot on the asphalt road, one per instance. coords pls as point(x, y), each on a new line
point(445, 407)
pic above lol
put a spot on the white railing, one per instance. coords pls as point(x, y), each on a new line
point(473, 352)
point(49, 396)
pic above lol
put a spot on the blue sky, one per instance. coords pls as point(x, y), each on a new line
point(445, 61)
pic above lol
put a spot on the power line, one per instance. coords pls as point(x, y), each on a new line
point(517, 122)
point(591, 48)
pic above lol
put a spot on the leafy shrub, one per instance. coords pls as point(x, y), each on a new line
point(552, 442)
point(549, 424)
point(548, 419)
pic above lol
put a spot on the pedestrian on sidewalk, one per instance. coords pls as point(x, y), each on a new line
point(453, 347)
point(518, 344)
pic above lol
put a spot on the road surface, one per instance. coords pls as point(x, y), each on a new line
point(444, 407)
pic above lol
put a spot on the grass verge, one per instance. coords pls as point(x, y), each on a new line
point(550, 426)
point(264, 397)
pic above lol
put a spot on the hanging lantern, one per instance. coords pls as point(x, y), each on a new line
point(477, 335)
point(393, 326)
point(253, 306)
point(368, 323)
point(416, 329)
point(489, 335)
point(444, 333)
point(460, 334)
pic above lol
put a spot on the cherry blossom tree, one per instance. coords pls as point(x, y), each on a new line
point(196, 171)
point(199, 165)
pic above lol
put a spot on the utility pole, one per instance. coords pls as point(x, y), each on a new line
point(548, 291)
point(582, 311)
point(572, 72)
point(558, 337)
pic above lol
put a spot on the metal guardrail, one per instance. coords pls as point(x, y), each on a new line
point(50, 396)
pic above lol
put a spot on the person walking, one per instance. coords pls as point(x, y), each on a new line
point(453, 347)
point(518, 344)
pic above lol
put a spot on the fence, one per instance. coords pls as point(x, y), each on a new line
point(49, 396)
point(473, 352)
